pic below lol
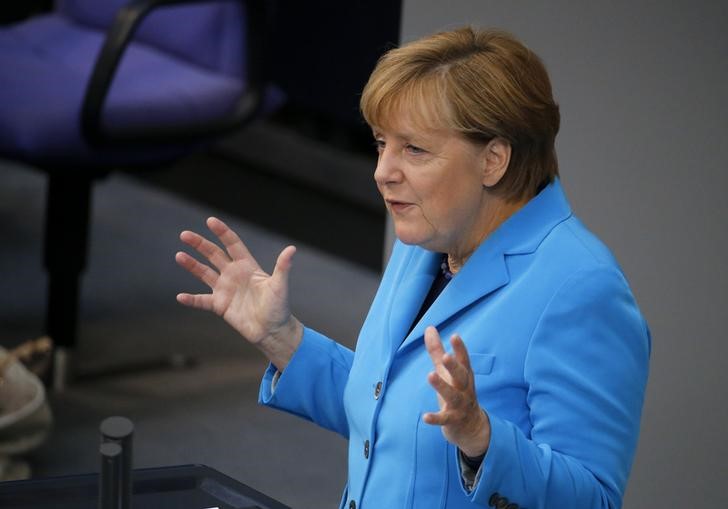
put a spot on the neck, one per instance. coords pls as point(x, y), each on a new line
point(492, 219)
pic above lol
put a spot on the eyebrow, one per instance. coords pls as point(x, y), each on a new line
point(399, 134)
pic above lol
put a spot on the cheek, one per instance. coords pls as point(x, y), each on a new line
point(452, 206)
point(442, 201)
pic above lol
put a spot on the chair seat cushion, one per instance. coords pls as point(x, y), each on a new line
point(47, 63)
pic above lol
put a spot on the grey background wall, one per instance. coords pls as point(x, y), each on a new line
point(643, 152)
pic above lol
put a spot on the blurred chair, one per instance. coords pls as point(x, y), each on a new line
point(97, 85)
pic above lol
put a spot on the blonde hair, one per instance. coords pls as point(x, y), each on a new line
point(482, 84)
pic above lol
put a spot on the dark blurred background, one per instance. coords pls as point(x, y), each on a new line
point(301, 175)
point(314, 152)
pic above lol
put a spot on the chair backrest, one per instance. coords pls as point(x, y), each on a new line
point(209, 34)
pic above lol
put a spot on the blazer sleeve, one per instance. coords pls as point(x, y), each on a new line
point(586, 371)
point(312, 385)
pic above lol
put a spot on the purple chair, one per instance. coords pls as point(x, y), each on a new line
point(103, 84)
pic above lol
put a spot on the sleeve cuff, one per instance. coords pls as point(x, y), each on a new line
point(479, 485)
point(274, 381)
point(316, 398)
point(468, 475)
point(285, 387)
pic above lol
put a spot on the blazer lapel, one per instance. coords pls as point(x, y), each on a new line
point(409, 294)
point(484, 273)
point(486, 270)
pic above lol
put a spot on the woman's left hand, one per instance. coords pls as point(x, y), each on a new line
point(464, 423)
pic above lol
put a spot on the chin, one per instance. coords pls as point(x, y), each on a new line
point(411, 238)
point(404, 236)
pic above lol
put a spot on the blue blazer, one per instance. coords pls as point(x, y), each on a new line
point(560, 355)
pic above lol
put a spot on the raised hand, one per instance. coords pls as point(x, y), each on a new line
point(252, 301)
point(464, 423)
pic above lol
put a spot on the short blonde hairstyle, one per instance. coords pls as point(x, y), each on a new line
point(482, 84)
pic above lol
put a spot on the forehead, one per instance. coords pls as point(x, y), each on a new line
point(416, 104)
point(408, 118)
point(442, 142)
point(410, 127)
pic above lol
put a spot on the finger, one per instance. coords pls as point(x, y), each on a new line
point(436, 418)
point(199, 301)
point(460, 351)
point(214, 254)
point(283, 266)
point(434, 345)
point(197, 269)
point(232, 242)
point(459, 375)
point(451, 396)
point(457, 363)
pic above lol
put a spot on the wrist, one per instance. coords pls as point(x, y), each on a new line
point(477, 446)
point(280, 345)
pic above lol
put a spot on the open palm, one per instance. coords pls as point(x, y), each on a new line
point(252, 301)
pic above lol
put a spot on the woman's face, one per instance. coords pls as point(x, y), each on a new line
point(432, 184)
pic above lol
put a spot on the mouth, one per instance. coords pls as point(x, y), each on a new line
point(398, 206)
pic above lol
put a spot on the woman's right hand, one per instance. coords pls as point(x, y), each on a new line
point(253, 302)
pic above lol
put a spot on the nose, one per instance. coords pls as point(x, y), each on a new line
point(387, 171)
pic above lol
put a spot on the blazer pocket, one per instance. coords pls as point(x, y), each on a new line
point(482, 363)
point(429, 479)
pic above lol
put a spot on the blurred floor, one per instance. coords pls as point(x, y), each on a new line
point(207, 414)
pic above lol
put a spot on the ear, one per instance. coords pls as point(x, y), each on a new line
point(497, 156)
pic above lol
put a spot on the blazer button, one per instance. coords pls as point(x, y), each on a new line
point(366, 449)
point(377, 390)
point(493, 500)
point(502, 503)
point(352, 504)
point(512, 506)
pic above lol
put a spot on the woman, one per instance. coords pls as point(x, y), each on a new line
point(535, 398)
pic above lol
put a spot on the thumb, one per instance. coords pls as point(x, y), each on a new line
point(283, 266)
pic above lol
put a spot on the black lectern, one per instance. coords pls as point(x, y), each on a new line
point(120, 487)
point(182, 487)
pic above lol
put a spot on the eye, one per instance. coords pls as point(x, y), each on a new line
point(379, 144)
point(414, 150)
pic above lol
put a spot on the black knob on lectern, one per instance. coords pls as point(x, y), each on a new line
point(116, 463)
point(109, 483)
